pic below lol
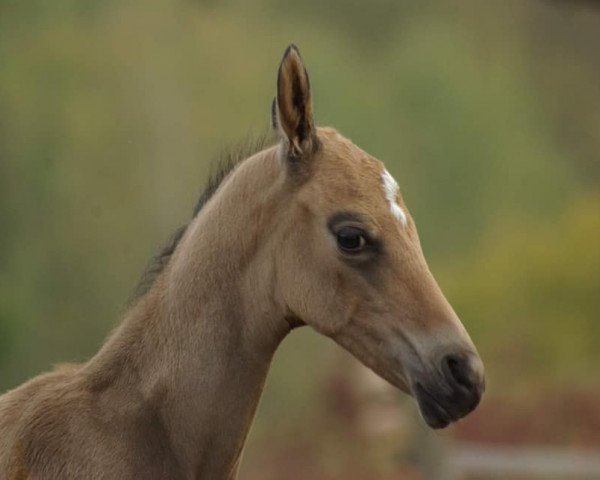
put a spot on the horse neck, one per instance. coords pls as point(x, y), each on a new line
point(198, 346)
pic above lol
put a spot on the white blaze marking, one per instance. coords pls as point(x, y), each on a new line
point(390, 188)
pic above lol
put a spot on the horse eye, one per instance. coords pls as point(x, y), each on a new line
point(351, 240)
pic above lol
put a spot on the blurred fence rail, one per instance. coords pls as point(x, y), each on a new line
point(483, 461)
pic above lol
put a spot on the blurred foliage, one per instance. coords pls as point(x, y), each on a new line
point(487, 113)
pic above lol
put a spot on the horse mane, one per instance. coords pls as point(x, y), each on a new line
point(226, 161)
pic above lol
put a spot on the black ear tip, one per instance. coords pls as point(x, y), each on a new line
point(291, 48)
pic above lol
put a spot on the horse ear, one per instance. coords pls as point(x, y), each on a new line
point(292, 112)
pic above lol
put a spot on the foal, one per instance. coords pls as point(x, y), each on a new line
point(313, 231)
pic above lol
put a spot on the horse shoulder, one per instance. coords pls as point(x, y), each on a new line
point(30, 421)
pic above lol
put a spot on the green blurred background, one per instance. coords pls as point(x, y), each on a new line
point(487, 113)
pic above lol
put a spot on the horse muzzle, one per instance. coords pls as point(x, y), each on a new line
point(452, 392)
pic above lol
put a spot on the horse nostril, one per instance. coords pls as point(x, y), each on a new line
point(458, 371)
point(464, 375)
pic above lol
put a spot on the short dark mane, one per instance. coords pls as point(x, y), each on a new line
point(224, 165)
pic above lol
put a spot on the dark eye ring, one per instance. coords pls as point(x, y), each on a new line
point(351, 239)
